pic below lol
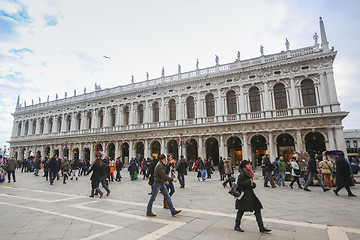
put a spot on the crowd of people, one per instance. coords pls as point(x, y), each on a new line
point(161, 174)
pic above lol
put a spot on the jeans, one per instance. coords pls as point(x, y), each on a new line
point(164, 192)
point(311, 176)
point(118, 176)
point(282, 178)
point(170, 188)
point(53, 175)
point(181, 179)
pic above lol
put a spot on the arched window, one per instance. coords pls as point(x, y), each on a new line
point(190, 107)
point(26, 128)
point(42, 124)
point(254, 96)
point(68, 120)
point(140, 109)
point(280, 96)
point(308, 93)
point(33, 127)
point(101, 118)
point(172, 109)
point(78, 120)
point(126, 115)
point(89, 120)
point(19, 129)
point(155, 112)
point(51, 122)
point(231, 102)
point(210, 105)
point(59, 123)
point(113, 117)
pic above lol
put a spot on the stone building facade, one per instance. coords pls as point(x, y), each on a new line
point(274, 103)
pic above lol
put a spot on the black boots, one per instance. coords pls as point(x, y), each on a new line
point(260, 222)
point(92, 193)
point(237, 227)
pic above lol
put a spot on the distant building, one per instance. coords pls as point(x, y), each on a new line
point(352, 140)
point(272, 104)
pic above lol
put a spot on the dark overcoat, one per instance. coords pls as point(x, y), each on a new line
point(342, 172)
point(249, 202)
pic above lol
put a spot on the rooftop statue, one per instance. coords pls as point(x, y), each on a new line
point(261, 50)
point(216, 59)
point(197, 63)
point(179, 68)
point(287, 44)
point(316, 38)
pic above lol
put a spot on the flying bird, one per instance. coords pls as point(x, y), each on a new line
point(106, 57)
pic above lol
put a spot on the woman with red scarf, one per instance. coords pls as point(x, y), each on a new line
point(248, 202)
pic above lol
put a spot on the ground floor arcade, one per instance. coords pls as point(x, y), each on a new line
point(237, 145)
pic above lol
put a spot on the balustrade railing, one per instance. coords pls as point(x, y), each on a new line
point(240, 117)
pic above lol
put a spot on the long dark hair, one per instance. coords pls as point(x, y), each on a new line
point(98, 162)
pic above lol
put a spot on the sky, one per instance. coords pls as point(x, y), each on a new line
point(50, 47)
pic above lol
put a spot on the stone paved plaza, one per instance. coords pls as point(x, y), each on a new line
point(33, 209)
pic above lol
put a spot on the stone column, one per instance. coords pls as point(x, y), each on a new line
point(162, 112)
point(223, 152)
point(163, 146)
point(131, 114)
point(146, 148)
point(94, 119)
point(201, 147)
point(63, 123)
point(118, 117)
point(73, 126)
point(242, 101)
point(81, 151)
point(46, 125)
point(147, 112)
point(299, 142)
point(180, 112)
point(199, 110)
point(37, 132)
point(219, 106)
point(55, 125)
point(117, 150)
point(83, 120)
point(131, 150)
point(92, 153)
point(30, 128)
point(323, 92)
point(271, 147)
point(294, 97)
point(245, 150)
point(106, 117)
point(267, 100)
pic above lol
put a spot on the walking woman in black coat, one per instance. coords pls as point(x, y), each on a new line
point(343, 175)
point(98, 173)
point(249, 202)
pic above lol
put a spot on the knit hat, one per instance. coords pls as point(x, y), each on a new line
point(244, 163)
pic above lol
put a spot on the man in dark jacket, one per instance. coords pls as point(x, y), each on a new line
point(343, 175)
point(268, 168)
point(10, 167)
point(160, 178)
point(313, 173)
point(181, 166)
point(53, 167)
point(150, 172)
point(221, 169)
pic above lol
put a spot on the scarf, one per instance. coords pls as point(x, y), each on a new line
point(250, 174)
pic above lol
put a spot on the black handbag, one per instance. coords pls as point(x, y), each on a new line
point(297, 171)
point(233, 191)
